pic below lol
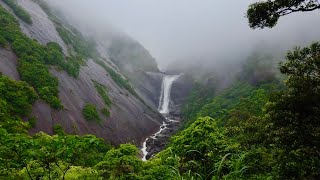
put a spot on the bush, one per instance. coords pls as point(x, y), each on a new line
point(56, 57)
point(84, 48)
point(32, 121)
point(117, 78)
point(57, 129)
point(39, 77)
point(2, 41)
point(19, 96)
point(16, 99)
point(102, 90)
point(90, 113)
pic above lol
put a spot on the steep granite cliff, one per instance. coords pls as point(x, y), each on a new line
point(130, 120)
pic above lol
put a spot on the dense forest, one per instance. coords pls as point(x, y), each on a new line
point(265, 125)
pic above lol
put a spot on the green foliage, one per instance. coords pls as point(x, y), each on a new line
point(48, 156)
point(57, 129)
point(45, 84)
point(82, 47)
point(240, 97)
point(159, 168)
point(19, 11)
point(294, 114)
point(200, 96)
point(268, 140)
point(238, 115)
point(3, 41)
point(123, 83)
point(117, 78)
point(55, 57)
point(18, 95)
point(72, 65)
point(40, 156)
point(32, 59)
point(77, 172)
point(121, 163)
point(90, 113)
point(102, 90)
point(16, 99)
point(259, 68)
point(200, 146)
point(267, 13)
point(232, 134)
point(32, 121)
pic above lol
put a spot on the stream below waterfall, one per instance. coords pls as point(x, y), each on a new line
point(156, 142)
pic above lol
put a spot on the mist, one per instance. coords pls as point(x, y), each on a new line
point(206, 31)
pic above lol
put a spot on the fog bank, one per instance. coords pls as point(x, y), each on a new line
point(208, 31)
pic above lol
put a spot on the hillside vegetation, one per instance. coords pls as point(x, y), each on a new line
point(263, 126)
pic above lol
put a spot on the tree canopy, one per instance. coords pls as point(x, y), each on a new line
point(267, 13)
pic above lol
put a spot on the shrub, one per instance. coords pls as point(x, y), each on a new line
point(117, 78)
point(57, 129)
point(90, 112)
point(32, 121)
point(102, 90)
point(2, 41)
point(83, 47)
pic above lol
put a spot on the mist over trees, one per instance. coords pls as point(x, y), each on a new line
point(189, 31)
point(254, 112)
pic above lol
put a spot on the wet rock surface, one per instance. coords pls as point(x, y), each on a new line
point(158, 141)
point(9, 63)
point(179, 91)
point(130, 119)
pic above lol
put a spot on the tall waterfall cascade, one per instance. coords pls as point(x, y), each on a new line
point(164, 102)
point(164, 108)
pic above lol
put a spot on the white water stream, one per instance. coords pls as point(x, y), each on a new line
point(164, 108)
point(164, 102)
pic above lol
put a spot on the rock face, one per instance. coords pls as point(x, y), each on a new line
point(42, 28)
point(158, 142)
point(149, 86)
point(130, 121)
point(8, 63)
point(179, 91)
point(134, 62)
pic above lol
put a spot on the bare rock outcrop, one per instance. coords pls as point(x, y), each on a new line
point(130, 120)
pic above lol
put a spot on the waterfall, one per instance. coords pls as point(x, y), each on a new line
point(164, 108)
point(164, 101)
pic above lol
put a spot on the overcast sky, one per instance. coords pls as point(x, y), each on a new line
point(176, 29)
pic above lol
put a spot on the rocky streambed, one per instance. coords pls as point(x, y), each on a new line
point(158, 141)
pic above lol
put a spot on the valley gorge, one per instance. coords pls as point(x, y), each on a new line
point(159, 90)
point(132, 117)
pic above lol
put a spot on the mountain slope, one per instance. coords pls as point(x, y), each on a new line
point(130, 119)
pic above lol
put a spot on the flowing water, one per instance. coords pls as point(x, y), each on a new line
point(164, 108)
point(164, 102)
